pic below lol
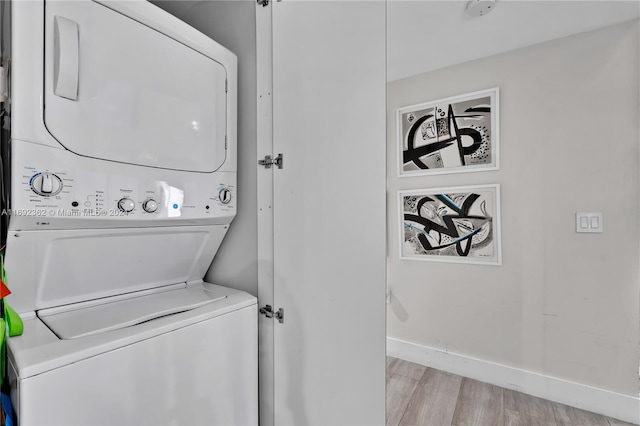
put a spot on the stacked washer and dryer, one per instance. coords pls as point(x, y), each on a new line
point(123, 185)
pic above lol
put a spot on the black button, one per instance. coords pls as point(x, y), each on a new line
point(74, 204)
point(206, 207)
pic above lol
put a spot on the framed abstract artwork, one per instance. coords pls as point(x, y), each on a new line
point(452, 135)
point(456, 224)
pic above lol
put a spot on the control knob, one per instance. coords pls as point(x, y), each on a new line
point(150, 205)
point(224, 195)
point(46, 184)
point(126, 205)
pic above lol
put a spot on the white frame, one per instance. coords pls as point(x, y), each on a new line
point(495, 260)
point(494, 94)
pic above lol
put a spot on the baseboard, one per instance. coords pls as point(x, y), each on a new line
point(611, 404)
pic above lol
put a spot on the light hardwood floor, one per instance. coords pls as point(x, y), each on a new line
point(419, 395)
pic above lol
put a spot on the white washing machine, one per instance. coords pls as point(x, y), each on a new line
point(123, 186)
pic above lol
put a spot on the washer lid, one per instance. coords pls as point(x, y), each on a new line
point(118, 90)
point(85, 319)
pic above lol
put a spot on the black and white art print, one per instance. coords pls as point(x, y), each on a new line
point(457, 224)
point(452, 135)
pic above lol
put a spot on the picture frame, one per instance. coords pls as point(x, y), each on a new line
point(455, 224)
point(452, 135)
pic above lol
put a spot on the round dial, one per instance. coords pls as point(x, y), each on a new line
point(150, 206)
point(46, 184)
point(126, 205)
point(224, 195)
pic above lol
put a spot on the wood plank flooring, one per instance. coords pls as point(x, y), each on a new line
point(419, 395)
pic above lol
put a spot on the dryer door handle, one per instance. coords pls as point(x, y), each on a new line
point(66, 58)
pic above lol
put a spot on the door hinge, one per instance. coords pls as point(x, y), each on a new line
point(264, 3)
point(268, 161)
point(268, 312)
point(279, 315)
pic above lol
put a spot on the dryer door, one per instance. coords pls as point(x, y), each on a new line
point(118, 90)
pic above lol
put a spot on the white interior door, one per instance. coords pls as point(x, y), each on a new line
point(329, 211)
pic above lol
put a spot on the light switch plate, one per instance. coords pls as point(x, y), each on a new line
point(589, 222)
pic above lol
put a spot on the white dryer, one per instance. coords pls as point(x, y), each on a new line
point(123, 186)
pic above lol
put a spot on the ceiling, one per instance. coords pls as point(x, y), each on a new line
point(424, 35)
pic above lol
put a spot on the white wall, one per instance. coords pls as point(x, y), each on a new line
point(562, 304)
point(233, 24)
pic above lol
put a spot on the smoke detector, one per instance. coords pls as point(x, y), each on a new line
point(478, 8)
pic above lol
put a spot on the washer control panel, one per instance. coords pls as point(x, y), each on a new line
point(95, 195)
point(98, 190)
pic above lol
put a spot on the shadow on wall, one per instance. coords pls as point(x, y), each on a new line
point(398, 309)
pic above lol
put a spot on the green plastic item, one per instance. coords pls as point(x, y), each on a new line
point(14, 322)
point(14, 325)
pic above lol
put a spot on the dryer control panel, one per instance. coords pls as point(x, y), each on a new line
point(91, 193)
